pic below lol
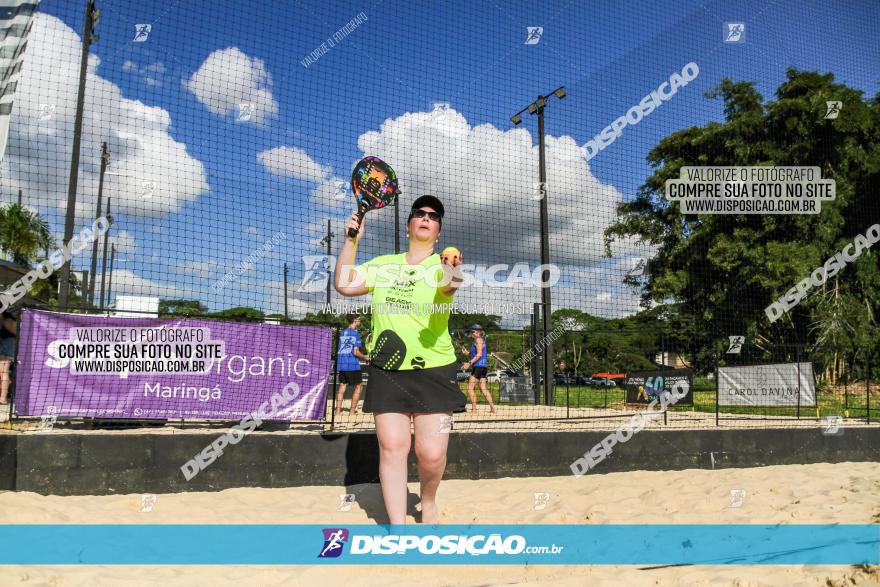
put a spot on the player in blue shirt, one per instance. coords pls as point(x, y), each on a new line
point(348, 365)
point(479, 366)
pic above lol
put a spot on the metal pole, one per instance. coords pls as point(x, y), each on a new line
point(87, 39)
point(868, 391)
point(329, 245)
point(536, 313)
point(334, 351)
point(396, 227)
point(11, 398)
point(567, 382)
point(285, 291)
point(716, 390)
point(19, 197)
point(110, 280)
point(105, 158)
point(84, 287)
point(797, 359)
point(545, 261)
point(104, 259)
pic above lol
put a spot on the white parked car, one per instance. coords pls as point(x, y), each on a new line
point(496, 376)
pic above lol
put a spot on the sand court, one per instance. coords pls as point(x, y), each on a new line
point(845, 493)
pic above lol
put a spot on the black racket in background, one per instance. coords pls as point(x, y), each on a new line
point(374, 184)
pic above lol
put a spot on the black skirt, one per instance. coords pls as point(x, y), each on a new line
point(419, 391)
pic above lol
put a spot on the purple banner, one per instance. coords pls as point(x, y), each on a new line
point(75, 365)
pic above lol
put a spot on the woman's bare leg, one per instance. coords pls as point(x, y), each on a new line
point(340, 393)
point(5, 364)
point(393, 432)
point(432, 440)
point(472, 382)
point(484, 387)
point(355, 398)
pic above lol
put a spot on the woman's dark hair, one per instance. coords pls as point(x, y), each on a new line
point(7, 315)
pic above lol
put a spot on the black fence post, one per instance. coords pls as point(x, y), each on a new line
point(797, 360)
point(13, 372)
point(334, 353)
point(567, 382)
point(868, 390)
point(665, 363)
point(717, 384)
point(536, 309)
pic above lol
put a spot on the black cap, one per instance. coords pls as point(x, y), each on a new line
point(476, 327)
point(428, 200)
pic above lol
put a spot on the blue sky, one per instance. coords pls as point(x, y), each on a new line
point(405, 58)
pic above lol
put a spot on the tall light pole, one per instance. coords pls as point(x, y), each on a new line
point(537, 107)
point(285, 291)
point(110, 280)
point(93, 15)
point(328, 240)
point(105, 158)
point(104, 260)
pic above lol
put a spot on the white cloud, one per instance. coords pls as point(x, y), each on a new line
point(150, 74)
point(38, 157)
point(487, 185)
point(292, 162)
point(124, 241)
point(200, 269)
point(297, 307)
point(228, 78)
point(127, 283)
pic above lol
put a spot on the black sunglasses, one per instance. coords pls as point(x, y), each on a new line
point(422, 213)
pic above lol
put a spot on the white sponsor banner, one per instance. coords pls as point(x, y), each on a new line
point(767, 385)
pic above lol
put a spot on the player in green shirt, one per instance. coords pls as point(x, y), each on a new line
point(412, 377)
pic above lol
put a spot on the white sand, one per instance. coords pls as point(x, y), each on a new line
point(821, 493)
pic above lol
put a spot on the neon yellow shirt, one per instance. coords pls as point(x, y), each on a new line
point(410, 314)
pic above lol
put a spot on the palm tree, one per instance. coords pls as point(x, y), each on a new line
point(23, 233)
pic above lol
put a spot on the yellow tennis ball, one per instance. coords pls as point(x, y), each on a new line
point(450, 256)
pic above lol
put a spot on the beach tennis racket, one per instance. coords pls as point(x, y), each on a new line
point(374, 184)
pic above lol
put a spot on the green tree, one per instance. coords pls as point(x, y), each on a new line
point(24, 234)
point(181, 308)
point(464, 321)
point(241, 313)
point(591, 344)
point(721, 271)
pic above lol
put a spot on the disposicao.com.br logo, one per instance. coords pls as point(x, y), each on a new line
point(334, 540)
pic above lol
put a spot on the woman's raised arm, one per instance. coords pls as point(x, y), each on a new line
point(345, 279)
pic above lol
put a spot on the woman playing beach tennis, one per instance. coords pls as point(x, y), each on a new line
point(412, 373)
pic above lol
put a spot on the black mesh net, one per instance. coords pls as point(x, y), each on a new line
point(213, 151)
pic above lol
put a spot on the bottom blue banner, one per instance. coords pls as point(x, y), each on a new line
point(130, 544)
